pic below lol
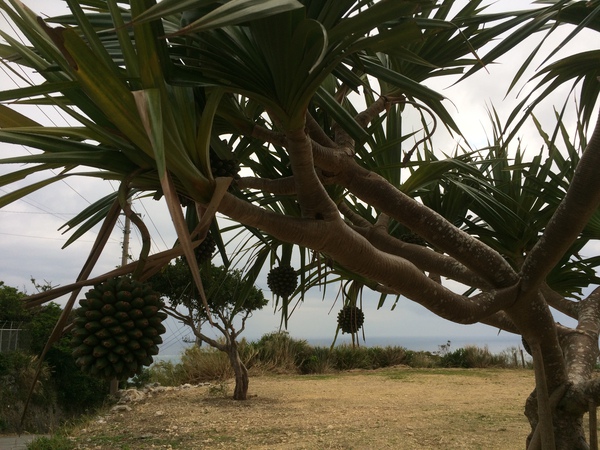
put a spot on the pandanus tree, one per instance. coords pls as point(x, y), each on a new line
point(310, 98)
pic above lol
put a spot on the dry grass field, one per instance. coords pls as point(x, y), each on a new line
point(395, 408)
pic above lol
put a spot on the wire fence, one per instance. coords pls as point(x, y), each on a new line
point(12, 336)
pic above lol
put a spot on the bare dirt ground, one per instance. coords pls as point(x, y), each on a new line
point(399, 408)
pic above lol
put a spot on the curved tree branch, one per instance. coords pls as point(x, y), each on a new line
point(281, 186)
point(376, 191)
point(355, 253)
point(560, 303)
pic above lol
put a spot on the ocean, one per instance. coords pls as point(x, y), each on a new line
point(172, 350)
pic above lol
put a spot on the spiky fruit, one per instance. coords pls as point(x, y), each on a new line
point(117, 327)
point(204, 252)
point(350, 319)
point(282, 281)
point(224, 167)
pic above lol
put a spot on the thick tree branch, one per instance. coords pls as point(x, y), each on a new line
point(316, 132)
point(560, 303)
point(281, 186)
point(272, 137)
point(352, 251)
point(377, 192)
point(314, 200)
point(343, 139)
point(581, 346)
point(422, 257)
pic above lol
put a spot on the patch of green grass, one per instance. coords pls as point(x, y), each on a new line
point(318, 377)
point(126, 442)
point(478, 373)
point(403, 374)
point(57, 442)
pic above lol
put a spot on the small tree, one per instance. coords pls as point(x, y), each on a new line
point(11, 305)
point(230, 297)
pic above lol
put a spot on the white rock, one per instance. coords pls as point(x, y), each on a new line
point(120, 408)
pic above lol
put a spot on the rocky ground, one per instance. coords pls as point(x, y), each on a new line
point(399, 408)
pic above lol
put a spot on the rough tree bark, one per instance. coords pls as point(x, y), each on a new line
point(240, 391)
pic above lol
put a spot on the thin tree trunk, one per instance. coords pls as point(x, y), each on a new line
point(241, 373)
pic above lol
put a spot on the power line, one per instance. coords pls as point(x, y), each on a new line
point(43, 237)
point(154, 225)
point(35, 212)
point(28, 80)
point(31, 201)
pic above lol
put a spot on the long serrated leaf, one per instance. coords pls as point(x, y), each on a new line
point(10, 118)
point(25, 191)
point(341, 116)
point(238, 11)
point(107, 91)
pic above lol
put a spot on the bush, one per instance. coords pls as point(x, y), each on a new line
point(166, 373)
point(17, 373)
point(471, 357)
point(347, 357)
point(318, 362)
point(279, 352)
point(61, 391)
point(139, 380)
point(457, 358)
point(421, 359)
point(387, 356)
point(204, 364)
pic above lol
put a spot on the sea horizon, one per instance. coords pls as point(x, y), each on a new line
point(172, 350)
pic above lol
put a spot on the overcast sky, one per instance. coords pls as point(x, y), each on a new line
point(30, 243)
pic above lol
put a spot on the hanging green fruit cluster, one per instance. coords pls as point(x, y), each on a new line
point(224, 167)
point(205, 251)
point(282, 281)
point(117, 329)
point(350, 319)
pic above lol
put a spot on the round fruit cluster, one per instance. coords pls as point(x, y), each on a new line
point(117, 329)
point(350, 319)
point(224, 167)
point(204, 252)
point(282, 281)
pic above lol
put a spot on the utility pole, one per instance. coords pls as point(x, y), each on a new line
point(114, 383)
point(126, 231)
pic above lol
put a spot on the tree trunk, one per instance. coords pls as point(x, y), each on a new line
point(241, 373)
point(569, 433)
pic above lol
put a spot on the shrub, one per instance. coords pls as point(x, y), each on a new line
point(387, 356)
point(139, 380)
point(204, 364)
point(318, 362)
point(166, 373)
point(17, 372)
point(280, 353)
point(421, 359)
point(347, 357)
